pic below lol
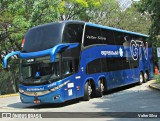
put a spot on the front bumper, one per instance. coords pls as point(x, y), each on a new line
point(52, 97)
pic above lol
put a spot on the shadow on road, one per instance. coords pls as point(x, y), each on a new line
point(136, 99)
point(20, 105)
point(55, 105)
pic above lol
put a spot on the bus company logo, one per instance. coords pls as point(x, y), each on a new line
point(109, 53)
point(136, 51)
point(117, 52)
point(120, 52)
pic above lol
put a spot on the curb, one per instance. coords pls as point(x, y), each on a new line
point(9, 95)
point(154, 87)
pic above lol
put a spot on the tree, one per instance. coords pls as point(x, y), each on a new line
point(105, 14)
point(152, 7)
point(131, 19)
point(109, 13)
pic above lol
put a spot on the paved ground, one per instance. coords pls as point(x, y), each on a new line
point(155, 85)
point(134, 98)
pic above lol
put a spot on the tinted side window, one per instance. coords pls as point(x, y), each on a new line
point(119, 38)
point(74, 55)
point(127, 37)
point(92, 36)
point(73, 33)
point(68, 67)
point(109, 36)
point(134, 64)
point(115, 64)
point(110, 64)
point(94, 67)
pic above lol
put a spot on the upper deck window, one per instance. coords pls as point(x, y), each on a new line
point(96, 35)
point(73, 33)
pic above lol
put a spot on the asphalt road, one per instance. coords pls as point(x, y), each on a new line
point(134, 98)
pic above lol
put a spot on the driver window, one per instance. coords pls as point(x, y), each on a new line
point(67, 67)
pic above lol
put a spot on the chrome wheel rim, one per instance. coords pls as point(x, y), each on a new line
point(146, 76)
point(89, 89)
point(102, 87)
point(141, 78)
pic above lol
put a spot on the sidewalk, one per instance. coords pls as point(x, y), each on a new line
point(9, 95)
point(155, 85)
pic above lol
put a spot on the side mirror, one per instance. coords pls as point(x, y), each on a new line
point(5, 64)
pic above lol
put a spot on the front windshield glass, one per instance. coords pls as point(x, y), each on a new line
point(39, 70)
point(42, 37)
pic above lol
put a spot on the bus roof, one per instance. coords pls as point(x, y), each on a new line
point(105, 27)
point(48, 35)
point(116, 29)
point(100, 26)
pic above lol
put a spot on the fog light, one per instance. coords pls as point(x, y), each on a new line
point(56, 97)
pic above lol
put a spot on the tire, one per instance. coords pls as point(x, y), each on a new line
point(141, 78)
point(87, 91)
point(99, 92)
point(146, 77)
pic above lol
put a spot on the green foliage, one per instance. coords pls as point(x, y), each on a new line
point(9, 79)
point(157, 78)
point(109, 13)
point(135, 21)
point(106, 13)
point(152, 8)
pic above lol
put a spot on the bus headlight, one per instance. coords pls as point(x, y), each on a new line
point(21, 90)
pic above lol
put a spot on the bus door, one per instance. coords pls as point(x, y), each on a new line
point(68, 70)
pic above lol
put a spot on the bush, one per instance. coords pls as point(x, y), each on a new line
point(157, 78)
point(9, 79)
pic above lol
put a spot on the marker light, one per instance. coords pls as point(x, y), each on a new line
point(23, 41)
point(56, 97)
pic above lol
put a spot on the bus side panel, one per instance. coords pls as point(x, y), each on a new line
point(149, 63)
point(122, 78)
point(146, 63)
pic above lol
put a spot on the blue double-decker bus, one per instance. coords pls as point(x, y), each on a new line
point(72, 59)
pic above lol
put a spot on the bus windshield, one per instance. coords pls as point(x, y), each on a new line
point(42, 37)
point(39, 70)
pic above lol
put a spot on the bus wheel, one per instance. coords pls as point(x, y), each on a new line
point(146, 76)
point(87, 91)
point(141, 78)
point(100, 88)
